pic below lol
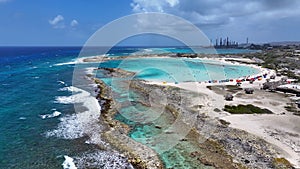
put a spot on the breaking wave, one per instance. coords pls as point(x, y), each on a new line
point(47, 116)
point(79, 124)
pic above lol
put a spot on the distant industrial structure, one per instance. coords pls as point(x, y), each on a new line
point(225, 43)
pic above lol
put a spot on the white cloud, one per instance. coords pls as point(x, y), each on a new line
point(57, 22)
point(74, 23)
point(172, 3)
point(228, 17)
point(153, 5)
point(220, 11)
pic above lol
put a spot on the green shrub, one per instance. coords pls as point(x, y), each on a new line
point(246, 109)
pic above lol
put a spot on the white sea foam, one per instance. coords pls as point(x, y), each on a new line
point(68, 163)
point(81, 123)
point(79, 97)
point(70, 127)
point(90, 70)
point(78, 60)
point(69, 88)
point(147, 50)
point(22, 118)
point(73, 62)
point(54, 114)
point(66, 63)
point(65, 99)
point(61, 82)
point(104, 160)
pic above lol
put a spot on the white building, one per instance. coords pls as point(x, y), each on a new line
point(297, 53)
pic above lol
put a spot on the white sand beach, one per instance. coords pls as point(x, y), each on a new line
point(280, 129)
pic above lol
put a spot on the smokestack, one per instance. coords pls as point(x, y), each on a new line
point(227, 41)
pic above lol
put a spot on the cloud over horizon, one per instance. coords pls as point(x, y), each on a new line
point(228, 16)
point(58, 22)
point(220, 11)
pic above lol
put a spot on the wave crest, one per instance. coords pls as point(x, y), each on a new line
point(68, 163)
point(47, 116)
point(80, 124)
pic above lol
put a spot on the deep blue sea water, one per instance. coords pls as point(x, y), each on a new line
point(36, 112)
point(29, 84)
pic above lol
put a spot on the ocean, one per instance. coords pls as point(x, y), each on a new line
point(40, 127)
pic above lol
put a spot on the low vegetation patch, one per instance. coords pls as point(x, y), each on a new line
point(297, 113)
point(225, 123)
point(217, 110)
point(233, 88)
point(246, 109)
point(291, 109)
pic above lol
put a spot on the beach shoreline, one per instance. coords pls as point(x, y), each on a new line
point(267, 127)
point(214, 99)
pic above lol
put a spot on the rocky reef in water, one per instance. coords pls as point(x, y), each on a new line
point(214, 142)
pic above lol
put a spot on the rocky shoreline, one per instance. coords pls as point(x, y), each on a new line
point(219, 145)
point(139, 155)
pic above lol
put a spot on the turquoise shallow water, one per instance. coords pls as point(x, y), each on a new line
point(181, 70)
point(162, 50)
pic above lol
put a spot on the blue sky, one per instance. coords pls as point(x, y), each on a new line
point(72, 22)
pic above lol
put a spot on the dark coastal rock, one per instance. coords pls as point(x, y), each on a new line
point(206, 162)
point(225, 123)
point(116, 72)
point(184, 139)
point(117, 132)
